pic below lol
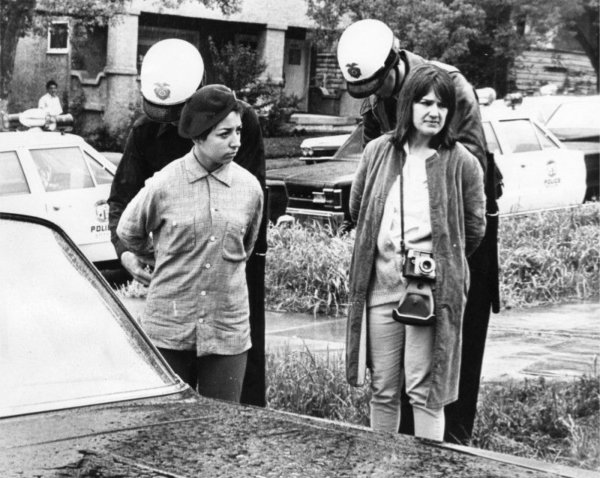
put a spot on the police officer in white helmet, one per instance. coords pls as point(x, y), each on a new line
point(172, 70)
point(375, 68)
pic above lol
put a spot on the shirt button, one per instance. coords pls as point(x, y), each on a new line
point(213, 238)
point(203, 292)
point(200, 321)
point(243, 230)
point(174, 223)
point(207, 266)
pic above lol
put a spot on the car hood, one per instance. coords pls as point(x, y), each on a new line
point(187, 435)
point(321, 175)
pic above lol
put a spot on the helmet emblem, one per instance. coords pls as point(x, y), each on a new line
point(162, 91)
point(353, 70)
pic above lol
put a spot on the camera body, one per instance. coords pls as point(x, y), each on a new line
point(419, 265)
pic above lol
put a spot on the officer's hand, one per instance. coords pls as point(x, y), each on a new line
point(136, 266)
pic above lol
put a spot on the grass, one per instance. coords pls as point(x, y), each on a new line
point(545, 258)
point(558, 422)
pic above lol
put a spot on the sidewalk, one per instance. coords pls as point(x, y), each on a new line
point(553, 342)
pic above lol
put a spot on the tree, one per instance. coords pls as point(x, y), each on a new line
point(21, 17)
point(483, 38)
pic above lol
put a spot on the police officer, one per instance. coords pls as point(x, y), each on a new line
point(171, 72)
point(374, 68)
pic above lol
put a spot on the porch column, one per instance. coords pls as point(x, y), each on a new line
point(271, 46)
point(121, 72)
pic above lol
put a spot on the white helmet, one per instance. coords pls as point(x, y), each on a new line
point(367, 51)
point(172, 71)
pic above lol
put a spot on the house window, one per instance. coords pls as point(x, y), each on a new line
point(295, 56)
point(58, 37)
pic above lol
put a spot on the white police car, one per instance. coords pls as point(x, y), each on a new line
point(59, 177)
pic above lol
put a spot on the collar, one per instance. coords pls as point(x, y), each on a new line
point(164, 128)
point(195, 171)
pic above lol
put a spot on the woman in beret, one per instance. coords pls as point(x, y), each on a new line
point(198, 218)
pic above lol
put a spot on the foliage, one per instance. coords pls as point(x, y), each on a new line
point(275, 114)
point(307, 269)
point(550, 256)
point(556, 422)
point(546, 257)
point(315, 385)
point(239, 67)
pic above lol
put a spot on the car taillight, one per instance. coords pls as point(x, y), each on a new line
point(330, 198)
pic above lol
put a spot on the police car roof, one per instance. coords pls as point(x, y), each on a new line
point(36, 138)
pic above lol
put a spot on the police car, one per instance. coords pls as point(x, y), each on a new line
point(48, 173)
point(539, 171)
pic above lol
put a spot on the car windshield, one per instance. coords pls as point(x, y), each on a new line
point(352, 147)
point(65, 340)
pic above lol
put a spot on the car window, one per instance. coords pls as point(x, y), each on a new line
point(12, 178)
point(64, 339)
point(101, 174)
point(490, 138)
point(545, 140)
point(576, 115)
point(520, 136)
point(62, 168)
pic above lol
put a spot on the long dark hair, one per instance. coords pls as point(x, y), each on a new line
point(418, 83)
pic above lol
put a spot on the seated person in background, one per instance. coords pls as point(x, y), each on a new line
point(50, 102)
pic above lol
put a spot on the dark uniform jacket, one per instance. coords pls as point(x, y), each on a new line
point(379, 114)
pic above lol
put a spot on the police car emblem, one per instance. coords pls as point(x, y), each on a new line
point(162, 91)
point(353, 70)
point(101, 210)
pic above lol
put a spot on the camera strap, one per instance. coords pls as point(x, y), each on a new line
point(401, 191)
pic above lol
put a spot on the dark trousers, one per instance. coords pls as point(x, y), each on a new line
point(213, 376)
point(254, 388)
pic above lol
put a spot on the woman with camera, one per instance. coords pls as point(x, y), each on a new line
point(418, 202)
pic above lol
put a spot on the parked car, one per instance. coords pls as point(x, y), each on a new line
point(575, 121)
point(539, 172)
point(85, 394)
point(321, 148)
point(59, 177)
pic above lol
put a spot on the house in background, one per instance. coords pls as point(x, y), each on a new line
point(98, 73)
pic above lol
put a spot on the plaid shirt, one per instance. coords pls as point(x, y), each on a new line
point(204, 226)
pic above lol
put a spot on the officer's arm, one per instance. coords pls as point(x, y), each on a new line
point(371, 127)
point(466, 123)
point(251, 155)
point(128, 180)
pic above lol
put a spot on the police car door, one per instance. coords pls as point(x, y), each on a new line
point(77, 187)
point(548, 175)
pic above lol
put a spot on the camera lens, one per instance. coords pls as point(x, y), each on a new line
point(426, 266)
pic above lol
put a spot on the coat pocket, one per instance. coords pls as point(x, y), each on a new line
point(180, 235)
point(233, 242)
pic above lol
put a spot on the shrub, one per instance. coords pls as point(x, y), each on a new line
point(307, 269)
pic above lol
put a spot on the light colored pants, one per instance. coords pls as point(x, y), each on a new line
point(398, 353)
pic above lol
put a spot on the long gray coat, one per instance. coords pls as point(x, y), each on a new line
point(457, 207)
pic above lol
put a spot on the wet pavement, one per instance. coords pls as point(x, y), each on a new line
point(553, 341)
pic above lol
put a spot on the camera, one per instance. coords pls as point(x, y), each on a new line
point(419, 265)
